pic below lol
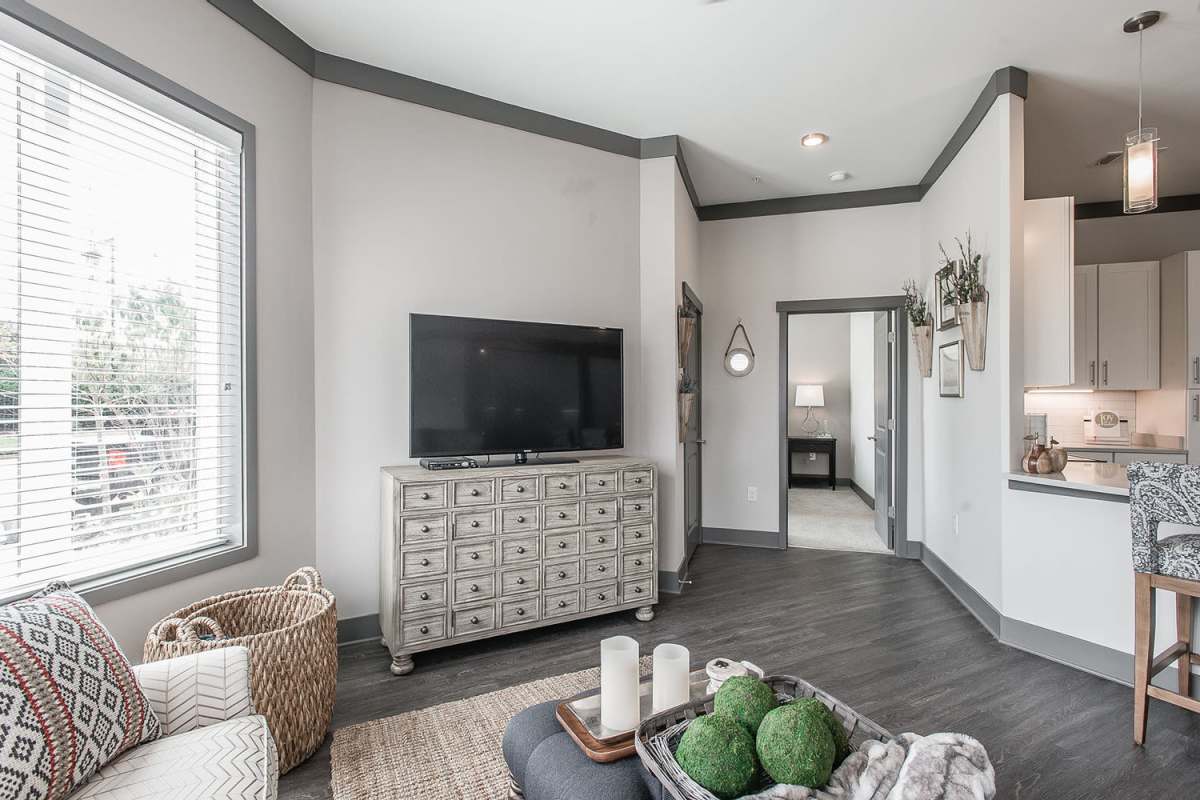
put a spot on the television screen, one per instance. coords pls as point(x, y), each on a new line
point(485, 386)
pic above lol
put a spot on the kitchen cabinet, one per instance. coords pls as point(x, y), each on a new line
point(1180, 321)
point(1193, 426)
point(1051, 294)
point(1086, 327)
point(1157, 458)
point(1127, 319)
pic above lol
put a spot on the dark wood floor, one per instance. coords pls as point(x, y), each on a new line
point(880, 633)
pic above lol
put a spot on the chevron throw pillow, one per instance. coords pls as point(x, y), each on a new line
point(69, 702)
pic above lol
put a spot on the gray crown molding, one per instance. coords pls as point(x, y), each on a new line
point(663, 146)
point(810, 202)
point(259, 22)
point(1115, 208)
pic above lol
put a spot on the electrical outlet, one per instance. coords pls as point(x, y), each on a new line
point(752, 494)
point(956, 524)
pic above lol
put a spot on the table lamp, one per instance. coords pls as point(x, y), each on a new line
point(810, 395)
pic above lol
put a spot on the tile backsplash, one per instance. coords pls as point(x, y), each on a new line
point(1065, 410)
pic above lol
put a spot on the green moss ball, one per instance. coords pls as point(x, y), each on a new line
point(841, 742)
point(718, 754)
point(795, 746)
point(747, 700)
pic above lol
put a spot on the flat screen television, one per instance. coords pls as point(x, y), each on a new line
point(487, 387)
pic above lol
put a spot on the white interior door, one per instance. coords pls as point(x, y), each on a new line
point(882, 433)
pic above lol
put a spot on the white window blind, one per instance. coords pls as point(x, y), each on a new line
point(121, 430)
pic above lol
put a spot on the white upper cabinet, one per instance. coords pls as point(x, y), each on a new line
point(1051, 347)
point(1128, 325)
point(1192, 270)
point(1086, 327)
point(1180, 321)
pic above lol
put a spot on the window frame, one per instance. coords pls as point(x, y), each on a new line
point(170, 570)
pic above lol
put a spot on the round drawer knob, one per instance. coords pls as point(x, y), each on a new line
point(562, 603)
point(562, 485)
point(601, 482)
point(424, 629)
point(637, 507)
point(424, 529)
point(474, 620)
point(637, 590)
point(637, 535)
point(600, 511)
point(424, 495)
point(637, 480)
point(601, 596)
point(520, 490)
point(601, 540)
point(520, 581)
point(474, 493)
point(424, 595)
point(474, 587)
point(520, 551)
point(474, 523)
point(520, 612)
point(562, 515)
point(562, 545)
point(562, 574)
point(637, 562)
point(475, 557)
point(521, 518)
point(424, 562)
point(601, 568)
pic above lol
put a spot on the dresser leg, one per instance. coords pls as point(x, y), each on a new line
point(645, 613)
point(402, 665)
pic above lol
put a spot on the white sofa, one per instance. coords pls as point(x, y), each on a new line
point(213, 745)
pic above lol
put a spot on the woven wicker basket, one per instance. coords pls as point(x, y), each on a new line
point(291, 632)
point(659, 735)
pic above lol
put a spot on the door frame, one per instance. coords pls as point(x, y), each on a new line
point(689, 297)
point(849, 305)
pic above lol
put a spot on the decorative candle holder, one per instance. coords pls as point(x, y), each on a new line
point(619, 705)
point(672, 676)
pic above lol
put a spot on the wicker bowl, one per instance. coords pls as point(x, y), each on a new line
point(291, 633)
point(659, 735)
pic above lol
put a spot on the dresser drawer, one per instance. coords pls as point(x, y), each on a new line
point(475, 588)
point(639, 590)
point(600, 482)
point(517, 581)
point(556, 545)
point(520, 550)
point(599, 568)
point(639, 534)
point(474, 555)
point(419, 530)
point(420, 563)
point(633, 480)
point(422, 596)
point(518, 612)
point(560, 573)
point(598, 512)
point(519, 518)
point(468, 524)
point(561, 515)
point(636, 563)
point(566, 485)
point(419, 496)
point(474, 620)
point(514, 489)
point(424, 629)
point(637, 506)
point(560, 604)
point(599, 596)
point(599, 540)
point(474, 493)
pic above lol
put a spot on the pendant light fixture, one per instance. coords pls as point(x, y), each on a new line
point(1141, 146)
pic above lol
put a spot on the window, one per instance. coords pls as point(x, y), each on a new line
point(122, 416)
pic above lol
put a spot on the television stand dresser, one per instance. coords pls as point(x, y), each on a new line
point(475, 553)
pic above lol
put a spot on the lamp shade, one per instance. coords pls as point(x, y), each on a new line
point(810, 394)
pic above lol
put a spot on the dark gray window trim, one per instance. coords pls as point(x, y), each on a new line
point(1115, 208)
point(205, 561)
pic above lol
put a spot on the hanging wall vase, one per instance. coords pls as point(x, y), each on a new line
point(687, 329)
point(687, 403)
point(973, 319)
point(922, 336)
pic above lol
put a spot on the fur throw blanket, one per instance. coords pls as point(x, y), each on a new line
point(944, 766)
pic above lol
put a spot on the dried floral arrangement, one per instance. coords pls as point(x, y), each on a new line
point(915, 305)
point(965, 279)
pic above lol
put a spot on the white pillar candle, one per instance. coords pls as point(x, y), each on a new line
point(672, 676)
point(619, 703)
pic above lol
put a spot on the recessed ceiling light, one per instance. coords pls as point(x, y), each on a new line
point(814, 139)
point(838, 175)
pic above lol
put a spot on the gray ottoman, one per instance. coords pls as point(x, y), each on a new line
point(546, 764)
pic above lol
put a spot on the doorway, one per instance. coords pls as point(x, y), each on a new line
point(841, 396)
point(692, 435)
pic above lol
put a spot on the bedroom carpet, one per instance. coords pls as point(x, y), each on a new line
point(822, 519)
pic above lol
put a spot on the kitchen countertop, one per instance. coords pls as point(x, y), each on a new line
point(1095, 478)
point(1092, 447)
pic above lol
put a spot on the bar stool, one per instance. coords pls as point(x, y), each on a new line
point(1163, 493)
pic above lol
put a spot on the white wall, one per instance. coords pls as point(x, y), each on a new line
point(819, 352)
point(970, 442)
point(417, 210)
point(199, 47)
point(862, 400)
point(1138, 237)
point(746, 266)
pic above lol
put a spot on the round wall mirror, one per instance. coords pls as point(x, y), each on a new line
point(739, 362)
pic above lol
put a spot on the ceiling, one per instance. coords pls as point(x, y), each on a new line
point(742, 80)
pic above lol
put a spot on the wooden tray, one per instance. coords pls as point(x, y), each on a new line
point(601, 752)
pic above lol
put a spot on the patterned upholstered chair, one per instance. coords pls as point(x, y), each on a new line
point(1163, 493)
point(213, 745)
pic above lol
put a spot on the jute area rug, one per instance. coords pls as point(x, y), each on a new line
point(445, 752)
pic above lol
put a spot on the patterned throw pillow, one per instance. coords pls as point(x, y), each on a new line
point(69, 702)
